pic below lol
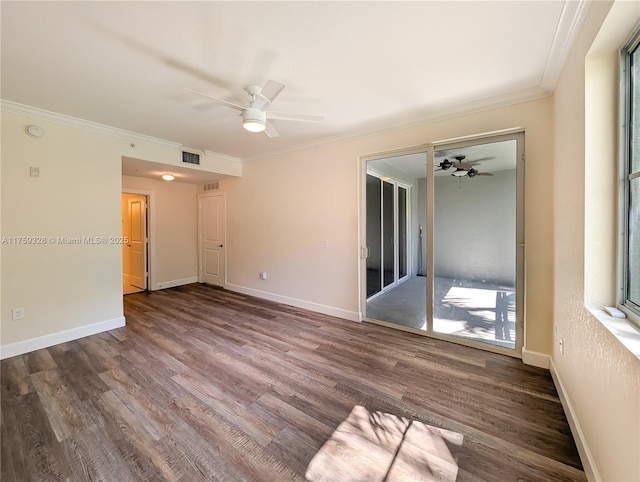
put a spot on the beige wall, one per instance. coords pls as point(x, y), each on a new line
point(61, 287)
point(599, 377)
point(175, 236)
point(284, 208)
point(72, 290)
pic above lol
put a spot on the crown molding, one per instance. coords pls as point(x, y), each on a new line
point(63, 119)
point(467, 108)
point(222, 157)
point(571, 19)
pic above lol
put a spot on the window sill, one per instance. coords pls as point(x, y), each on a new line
point(623, 329)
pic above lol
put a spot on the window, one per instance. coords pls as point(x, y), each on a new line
point(630, 170)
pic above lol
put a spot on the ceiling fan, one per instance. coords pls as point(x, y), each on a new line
point(462, 168)
point(255, 116)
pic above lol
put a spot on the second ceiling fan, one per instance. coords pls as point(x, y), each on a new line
point(255, 116)
point(462, 169)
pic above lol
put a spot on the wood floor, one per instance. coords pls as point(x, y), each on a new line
point(206, 384)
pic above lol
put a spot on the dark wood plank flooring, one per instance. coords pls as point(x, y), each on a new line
point(206, 384)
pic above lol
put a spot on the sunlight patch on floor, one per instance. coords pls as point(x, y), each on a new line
point(378, 446)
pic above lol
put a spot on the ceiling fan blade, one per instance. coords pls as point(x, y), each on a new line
point(267, 94)
point(294, 117)
point(215, 99)
point(463, 165)
point(271, 131)
point(486, 158)
point(271, 90)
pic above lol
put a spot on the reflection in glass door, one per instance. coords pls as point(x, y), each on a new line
point(474, 251)
point(386, 233)
point(374, 239)
point(392, 282)
point(402, 232)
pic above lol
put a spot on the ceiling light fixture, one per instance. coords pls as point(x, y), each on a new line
point(459, 172)
point(254, 120)
point(168, 177)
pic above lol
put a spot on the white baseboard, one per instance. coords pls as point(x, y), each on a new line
point(536, 359)
point(307, 305)
point(176, 282)
point(45, 341)
point(588, 463)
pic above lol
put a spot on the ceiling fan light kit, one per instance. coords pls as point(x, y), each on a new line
point(254, 120)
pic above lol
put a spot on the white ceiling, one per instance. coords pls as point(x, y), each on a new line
point(363, 66)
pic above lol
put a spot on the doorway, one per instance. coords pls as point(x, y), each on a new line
point(464, 241)
point(135, 239)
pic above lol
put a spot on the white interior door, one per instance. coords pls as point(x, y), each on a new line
point(137, 242)
point(212, 239)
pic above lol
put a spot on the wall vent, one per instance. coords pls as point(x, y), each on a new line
point(190, 158)
point(211, 186)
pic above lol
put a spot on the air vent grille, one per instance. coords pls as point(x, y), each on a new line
point(190, 158)
point(211, 186)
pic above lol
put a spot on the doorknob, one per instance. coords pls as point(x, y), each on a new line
point(220, 246)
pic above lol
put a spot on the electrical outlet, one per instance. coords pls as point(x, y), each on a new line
point(17, 313)
point(263, 275)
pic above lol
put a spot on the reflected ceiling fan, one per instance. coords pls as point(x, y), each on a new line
point(463, 168)
point(255, 116)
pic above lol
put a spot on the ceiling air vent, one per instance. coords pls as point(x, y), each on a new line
point(190, 158)
point(211, 186)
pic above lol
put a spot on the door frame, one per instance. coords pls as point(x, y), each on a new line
point(151, 234)
point(201, 196)
point(518, 134)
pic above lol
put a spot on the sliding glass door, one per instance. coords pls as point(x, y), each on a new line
point(461, 250)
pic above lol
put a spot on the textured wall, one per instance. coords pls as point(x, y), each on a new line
point(600, 376)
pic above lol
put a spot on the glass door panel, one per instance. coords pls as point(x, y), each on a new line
point(402, 232)
point(374, 239)
point(394, 292)
point(474, 237)
point(388, 234)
